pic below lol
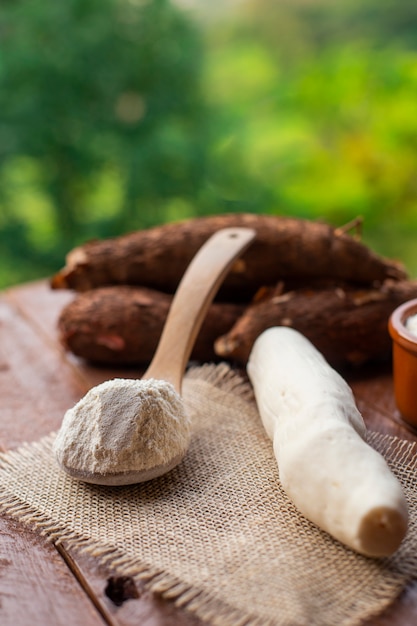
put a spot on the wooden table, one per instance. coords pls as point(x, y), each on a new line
point(42, 584)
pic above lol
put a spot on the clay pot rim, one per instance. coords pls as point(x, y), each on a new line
point(396, 324)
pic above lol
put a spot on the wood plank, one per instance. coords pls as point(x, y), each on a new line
point(146, 609)
point(403, 612)
point(41, 306)
point(374, 393)
point(33, 359)
point(35, 582)
point(35, 372)
point(36, 380)
point(36, 587)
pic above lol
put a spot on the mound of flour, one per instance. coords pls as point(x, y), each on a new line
point(123, 425)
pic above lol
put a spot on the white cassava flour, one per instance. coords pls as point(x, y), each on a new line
point(122, 426)
point(411, 324)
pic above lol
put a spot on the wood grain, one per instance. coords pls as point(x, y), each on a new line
point(36, 587)
point(38, 382)
point(40, 307)
point(34, 378)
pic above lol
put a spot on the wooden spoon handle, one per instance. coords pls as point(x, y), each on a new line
point(194, 295)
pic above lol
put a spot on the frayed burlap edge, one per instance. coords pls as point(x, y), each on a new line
point(112, 559)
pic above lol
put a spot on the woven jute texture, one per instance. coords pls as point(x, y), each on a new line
point(217, 535)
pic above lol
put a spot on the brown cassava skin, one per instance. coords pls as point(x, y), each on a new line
point(284, 248)
point(349, 326)
point(121, 325)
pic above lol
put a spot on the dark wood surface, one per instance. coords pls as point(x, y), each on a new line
point(41, 584)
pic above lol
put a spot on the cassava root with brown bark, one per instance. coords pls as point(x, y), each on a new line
point(348, 325)
point(318, 279)
point(285, 248)
point(121, 325)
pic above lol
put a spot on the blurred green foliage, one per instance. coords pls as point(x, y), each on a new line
point(102, 121)
point(325, 112)
point(120, 114)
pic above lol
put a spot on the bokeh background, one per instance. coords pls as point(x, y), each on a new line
point(116, 115)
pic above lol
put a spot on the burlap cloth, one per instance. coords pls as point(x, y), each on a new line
point(217, 535)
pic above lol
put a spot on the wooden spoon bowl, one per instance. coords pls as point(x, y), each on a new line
point(188, 309)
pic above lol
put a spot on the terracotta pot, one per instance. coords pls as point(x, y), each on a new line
point(404, 361)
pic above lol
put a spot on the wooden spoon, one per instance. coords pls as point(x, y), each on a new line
point(161, 383)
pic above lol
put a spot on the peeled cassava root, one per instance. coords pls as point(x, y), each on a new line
point(346, 324)
point(285, 248)
point(326, 467)
point(121, 325)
